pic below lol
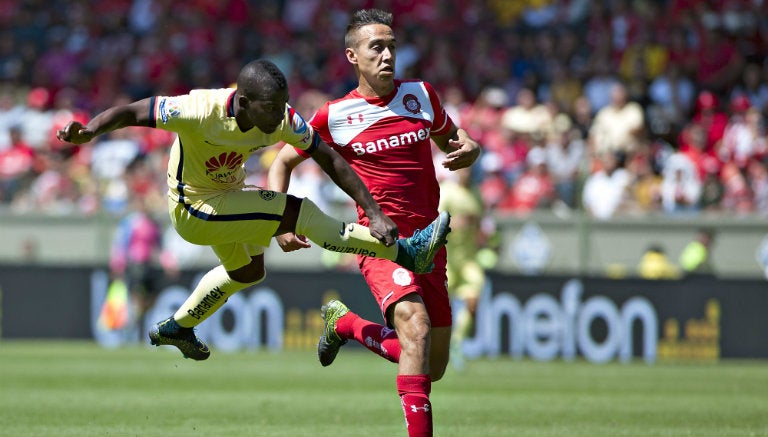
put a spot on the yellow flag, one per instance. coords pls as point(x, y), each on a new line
point(114, 312)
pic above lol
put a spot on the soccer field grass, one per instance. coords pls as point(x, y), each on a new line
point(79, 389)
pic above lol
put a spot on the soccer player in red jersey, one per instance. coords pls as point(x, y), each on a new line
point(383, 129)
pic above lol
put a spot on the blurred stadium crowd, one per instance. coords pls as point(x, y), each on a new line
point(617, 107)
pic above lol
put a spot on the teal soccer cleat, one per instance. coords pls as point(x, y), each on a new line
point(417, 252)
point(168, 332)
point(330, 342)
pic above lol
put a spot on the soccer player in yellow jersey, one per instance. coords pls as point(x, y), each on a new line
point(209, 204)
point(466, 277)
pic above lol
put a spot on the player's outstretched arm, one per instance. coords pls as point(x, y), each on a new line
point(116, 117)
point(461, 150)
point(278, 179)
point(339, 170)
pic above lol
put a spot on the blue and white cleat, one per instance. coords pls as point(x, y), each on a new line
point(417, 252)
point(168, 332)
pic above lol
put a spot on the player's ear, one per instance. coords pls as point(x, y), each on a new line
point(351, 55)
point(242, 101)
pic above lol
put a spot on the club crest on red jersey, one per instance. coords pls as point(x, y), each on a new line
point(411, 104)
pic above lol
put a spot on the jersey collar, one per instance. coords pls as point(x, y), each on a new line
point(383, 100)
point(231, 104)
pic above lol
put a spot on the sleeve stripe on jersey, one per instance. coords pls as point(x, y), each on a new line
point(152, 115)
point(180, 172)
point(442, 128)
point(311, 149)
point(315, 143)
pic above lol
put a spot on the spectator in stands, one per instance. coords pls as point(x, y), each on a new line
point(598, 88)
point(646, 186)
point(493, 186)
point(711, 118)
point(10, 115)
point(37, 119)
point(534, 189)
point(757, 175)
point(712, 191)
point(719, 62)
point(619, 126)
point(753, 87)
point(16, 166)
point(744, 135)
point(581, 115)
point(527, 117)
point(693, 144)
point(606, 190)
point(566, 156)
point(737, 196)
point(564, 88)
point(671, 96)
point(680, 187)
point(482, 117)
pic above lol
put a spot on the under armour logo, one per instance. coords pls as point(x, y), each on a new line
point(350, 119)
point(385, 332)
point(416, 409)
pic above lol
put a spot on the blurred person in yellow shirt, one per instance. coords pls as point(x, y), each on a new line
point(466, 274)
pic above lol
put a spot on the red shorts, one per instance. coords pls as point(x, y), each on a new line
point(390, 282)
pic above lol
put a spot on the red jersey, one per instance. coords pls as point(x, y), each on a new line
point(386, 140)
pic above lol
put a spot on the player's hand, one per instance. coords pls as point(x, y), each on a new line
point(383, 229)
point(466, 153)
point(74, 132)
point(290, 242)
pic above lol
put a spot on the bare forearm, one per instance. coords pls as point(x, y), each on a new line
point(135, 114)
point(279, 174)
point(278, 177)
point(116, 118)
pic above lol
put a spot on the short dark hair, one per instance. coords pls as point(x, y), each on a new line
point(364, 17)
point(260, 77)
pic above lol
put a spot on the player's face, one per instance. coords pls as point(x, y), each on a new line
point(268, 112)
point(374, 53)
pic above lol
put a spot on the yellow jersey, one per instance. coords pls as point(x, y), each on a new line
point(210, 151)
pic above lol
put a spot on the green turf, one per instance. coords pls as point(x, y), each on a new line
point(78, 389)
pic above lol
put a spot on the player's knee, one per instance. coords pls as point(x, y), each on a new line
point(249, 274)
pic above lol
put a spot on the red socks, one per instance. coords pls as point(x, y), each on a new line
point(414, 396)
point(377, 338)
point(413, 389)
